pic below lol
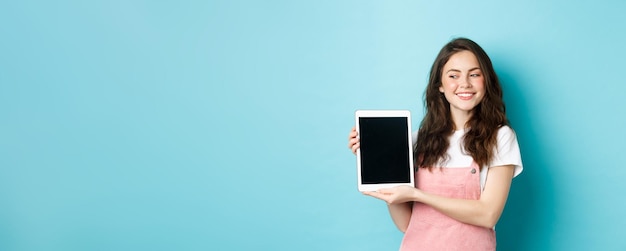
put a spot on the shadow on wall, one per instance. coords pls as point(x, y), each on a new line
point(527, 220)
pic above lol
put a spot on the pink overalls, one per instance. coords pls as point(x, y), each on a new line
point(432, 230)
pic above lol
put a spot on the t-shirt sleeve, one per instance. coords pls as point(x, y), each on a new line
point(507, 152)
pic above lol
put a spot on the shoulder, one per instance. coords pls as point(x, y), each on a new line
point(507, 151)
point(506, 135)
point(506, 130)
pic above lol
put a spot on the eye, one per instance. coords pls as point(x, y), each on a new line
point(475, 75)
point(453, 76)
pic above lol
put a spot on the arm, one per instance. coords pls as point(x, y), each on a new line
point(401, 214)
point(484, 212)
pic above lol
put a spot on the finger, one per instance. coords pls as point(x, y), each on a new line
point(355, 147)
point(352, 133)
point(351, 138)
point(351, 143)
point(385, 190)
point(372, 193)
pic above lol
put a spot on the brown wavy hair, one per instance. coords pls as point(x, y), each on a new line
point(487, 117)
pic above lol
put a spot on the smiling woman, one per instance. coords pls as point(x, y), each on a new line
point(462, 84)
point(454, 206)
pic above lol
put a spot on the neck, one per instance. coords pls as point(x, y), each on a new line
point(460, 118)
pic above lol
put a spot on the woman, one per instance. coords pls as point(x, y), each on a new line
point(466, 154)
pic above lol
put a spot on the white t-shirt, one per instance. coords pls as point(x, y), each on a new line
point(507, 153)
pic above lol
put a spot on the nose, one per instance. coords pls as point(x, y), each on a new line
point(465, 82)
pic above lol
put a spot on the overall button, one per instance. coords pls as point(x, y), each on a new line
point(473, 170)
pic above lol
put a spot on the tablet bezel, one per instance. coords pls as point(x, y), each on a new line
point(380, 114)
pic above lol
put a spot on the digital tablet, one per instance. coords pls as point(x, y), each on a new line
point(385, 158)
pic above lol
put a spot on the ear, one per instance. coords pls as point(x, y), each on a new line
point(441, 88)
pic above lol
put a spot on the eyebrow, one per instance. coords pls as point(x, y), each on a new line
point(455, 70)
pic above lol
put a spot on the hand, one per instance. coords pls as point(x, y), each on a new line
point(395, 195)
point(353, 140)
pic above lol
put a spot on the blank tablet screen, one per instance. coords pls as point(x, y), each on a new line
point(384, 150)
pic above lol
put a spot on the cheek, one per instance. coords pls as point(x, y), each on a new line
point(479, 83)
point(448, 86)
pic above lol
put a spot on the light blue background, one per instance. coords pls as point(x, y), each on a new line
point(222, 125)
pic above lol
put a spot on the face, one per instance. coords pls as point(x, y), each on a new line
point(462, 82)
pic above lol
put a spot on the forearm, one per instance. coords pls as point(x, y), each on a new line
point(473, 212)
point(484, 212)
point(401, 214)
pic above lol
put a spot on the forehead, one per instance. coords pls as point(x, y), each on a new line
point(462, 60)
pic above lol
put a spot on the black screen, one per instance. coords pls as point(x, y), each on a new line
point(384, 150)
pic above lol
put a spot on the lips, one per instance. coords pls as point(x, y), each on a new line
point(465, 95)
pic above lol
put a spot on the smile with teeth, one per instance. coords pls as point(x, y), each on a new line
point(465, 95)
